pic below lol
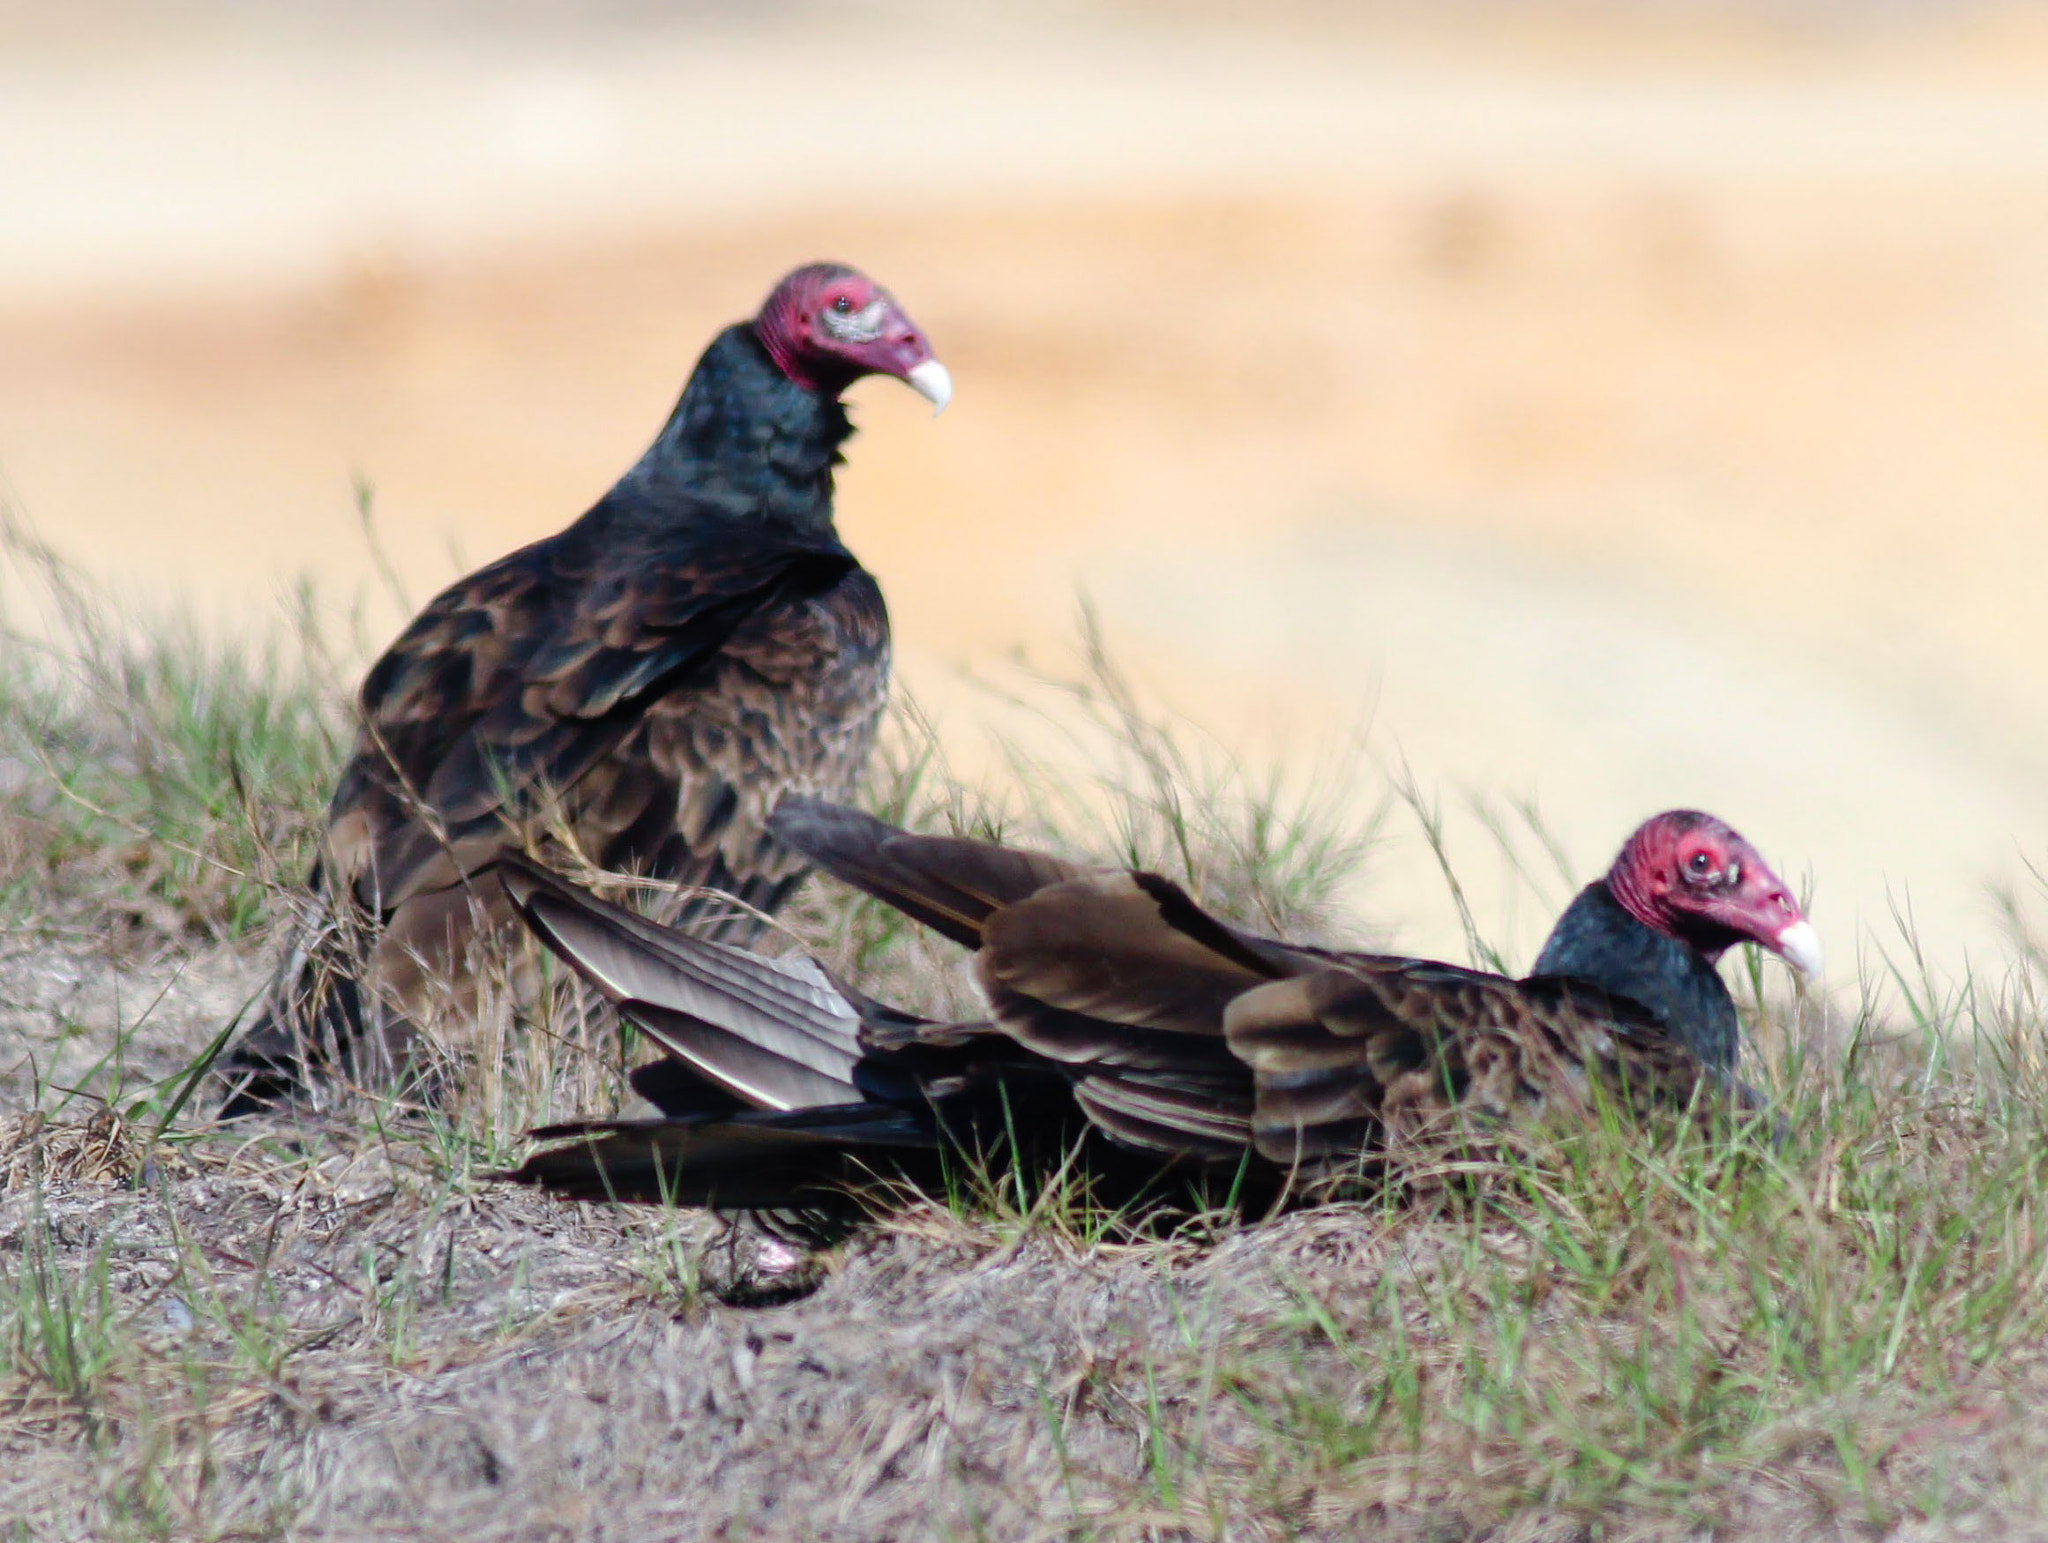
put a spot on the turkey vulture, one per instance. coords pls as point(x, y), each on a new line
point(1113, 997)
point(650, 680)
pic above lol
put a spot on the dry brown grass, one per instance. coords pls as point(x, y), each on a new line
point(336, 1327)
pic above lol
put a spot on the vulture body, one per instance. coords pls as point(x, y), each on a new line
point(1116, 1002)
point(651, 680)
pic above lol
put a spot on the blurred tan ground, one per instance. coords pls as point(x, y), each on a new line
point(1622, 419)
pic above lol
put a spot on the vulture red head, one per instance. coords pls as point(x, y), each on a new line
point(1689, 876)
point(826, 325)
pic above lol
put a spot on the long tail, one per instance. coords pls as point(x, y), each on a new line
point(810, 1158)
point(774, 1033)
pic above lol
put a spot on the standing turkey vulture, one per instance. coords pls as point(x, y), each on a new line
point(1111, 994)
point(652, 679)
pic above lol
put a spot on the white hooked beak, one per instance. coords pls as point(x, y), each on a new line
point(1800, 946)
point(932, 381)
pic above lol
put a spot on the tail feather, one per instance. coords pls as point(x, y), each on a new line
point(776, 1033)
point(805, 1158)
point(950, 883)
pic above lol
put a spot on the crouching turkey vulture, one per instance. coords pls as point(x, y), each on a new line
point(1112, 996)
point(651, 680)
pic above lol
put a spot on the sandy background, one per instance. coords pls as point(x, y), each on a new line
point(1613, 412)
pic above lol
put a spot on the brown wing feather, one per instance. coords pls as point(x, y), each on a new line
point(1119, 973)
point(1380, 1052)
point(514, 688)
point(1130, 948)
point(792, 709)
point(776, 1033)
point(1185, 1114)
point(950, 883)
point(635, 711)
point(1124, 974)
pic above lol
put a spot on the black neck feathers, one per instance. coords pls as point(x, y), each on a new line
point(744, 441)
point(1598, 942)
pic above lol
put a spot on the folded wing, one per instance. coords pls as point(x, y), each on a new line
point(1374, 1052)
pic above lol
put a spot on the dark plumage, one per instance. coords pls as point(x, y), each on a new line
point(1113, 997)
point(651, 680)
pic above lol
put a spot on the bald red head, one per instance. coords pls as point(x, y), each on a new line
point(1690, 876)
point(826, 325)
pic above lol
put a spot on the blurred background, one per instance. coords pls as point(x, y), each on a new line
point(1606, 406)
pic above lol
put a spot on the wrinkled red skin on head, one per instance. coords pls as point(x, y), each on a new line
point(791, 326)
point(1690, 876)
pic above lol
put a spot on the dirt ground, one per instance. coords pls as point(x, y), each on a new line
point(1610, 419)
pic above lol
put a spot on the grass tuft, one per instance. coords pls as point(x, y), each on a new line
point(146, 768)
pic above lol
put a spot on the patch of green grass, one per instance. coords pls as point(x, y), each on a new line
point(59, 1322)
point(1644, 1321)
point(151, 767)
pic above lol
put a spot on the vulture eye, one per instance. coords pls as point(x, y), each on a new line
point(843, 306)
point(1700, 864)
